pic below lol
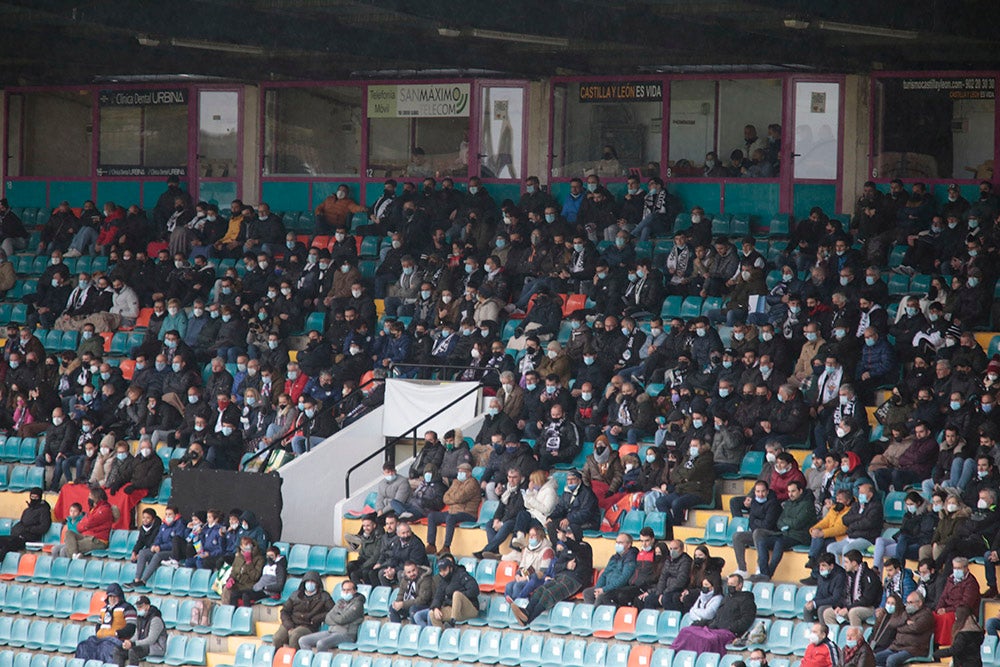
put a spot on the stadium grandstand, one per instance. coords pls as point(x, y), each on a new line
point(386, 334)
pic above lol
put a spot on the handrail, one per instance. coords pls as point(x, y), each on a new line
point(404, 367)
point(274, 445)
point(392, 443)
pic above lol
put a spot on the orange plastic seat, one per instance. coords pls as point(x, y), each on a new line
point(573, 303)
point(107, 336)
point(641, 654)
point(283, 657)
point(97, 601)
point(505, 574)
point(321, 241)
point(142, 322)
point(25, 568)
point(128, 368)
point(625, 619)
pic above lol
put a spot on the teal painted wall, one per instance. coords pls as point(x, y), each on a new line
point(286, 196)
point(123, 193)
point(74, 192)
point(27, 193)
point(321, 191)
point(706, 195)
point(759, 200)
point(806, 196)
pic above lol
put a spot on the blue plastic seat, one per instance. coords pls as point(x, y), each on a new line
point(499, 614)
point(667, 626)
point(201, 584)
point(368, 636)
point(448, 644)
point(19, 632)
point(510, 648)
point(531, 651)
point(783, 602)
point(715, 531)
point(409, 640)
point(468, 645)
point(378, 601)
point(602, 621)
point(174, 652)
point(489, 647)
point(336, 561)
point(12, 600)
point(779, 637)
point(658, 522)
point(763, 595)
point(895, 506)
point(43, 569)
point(64, 603)
point(486, 574)
point(36, 635)
point(92, 574)
point(581, 622)
point(486, 511)
point(298, 559)
point(29, 600)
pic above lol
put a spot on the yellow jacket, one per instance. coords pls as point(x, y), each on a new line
point(832, 524)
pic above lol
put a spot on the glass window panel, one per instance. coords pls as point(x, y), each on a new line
point(313, 130)
point(218, 133)
point(143, 139)
point(502, 129)
point(692, 126)
point(418, 147)
point(744, 102)
point(54, 132)
point(934, 127)
point(817, 124)
point(629, 132)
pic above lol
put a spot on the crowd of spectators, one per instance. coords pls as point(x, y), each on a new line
point(793, 361)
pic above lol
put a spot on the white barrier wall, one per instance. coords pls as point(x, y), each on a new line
point(313, 485)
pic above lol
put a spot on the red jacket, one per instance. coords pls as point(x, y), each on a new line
point(98, 522)
point(825, 654)
point(962, 594)
point(779, 483)
point(107, 233)
point(294, 387)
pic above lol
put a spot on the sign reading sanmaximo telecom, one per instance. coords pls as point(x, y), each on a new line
point(431, 100)
point(142, 98)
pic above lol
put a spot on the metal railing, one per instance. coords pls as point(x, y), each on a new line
point(412, 431)
point(275, 445)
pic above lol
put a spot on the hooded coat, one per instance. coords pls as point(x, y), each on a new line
point(306, 610)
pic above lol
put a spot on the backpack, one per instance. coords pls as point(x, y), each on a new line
point(201, 613)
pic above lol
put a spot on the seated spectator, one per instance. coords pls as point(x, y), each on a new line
point(94, 530)
point(31, 527)
point(571, 570)
point(857, 652)
point(534, 558)
point(455, 599)
point(888, 618)
point(117, 622)
point(917, 530)
point(831, 591)
point(733, 618)
point(615, 574)
point(603, 473)
point(402, 547)
point(707, 604)
point(675, 572)
point(272, 578)
point(558, 439)
point(426, 498)
point(763, 516)
point(248, 565)
point(821, 651)
point(73, 517)
point(368, 543)
point(510, 517)
point(391, 487)
point(203, 547)
point(342, 621)
point(798, 514)
point(150, 638)
point(912, 637)
point(966, 641)
point(863, 592)
point(416, 588)
point(863, 520)
point(690, 482)
point(170, 534)
point(577, 505)
point(148, 529)
point(462, 499)
point(303, 612)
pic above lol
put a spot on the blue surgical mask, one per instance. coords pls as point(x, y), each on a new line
point(550, 217)
point(473, 189)
point(650, 458)
point(492, 412)
point(697, 423)
point(870, 342)
point(176, 367)
point(227, 431)
point(863, 498)
point(591, 187)
point(870, 280)
point(121, 456)
point(955, 405)
point(589, 361)
point(428, 477)
point(530, 386)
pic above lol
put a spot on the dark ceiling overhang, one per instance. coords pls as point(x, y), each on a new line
point(58, 42)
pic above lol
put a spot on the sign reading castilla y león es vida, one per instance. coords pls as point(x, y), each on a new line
point(430, 100)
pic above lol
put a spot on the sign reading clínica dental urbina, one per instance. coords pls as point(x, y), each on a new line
point(432, 100)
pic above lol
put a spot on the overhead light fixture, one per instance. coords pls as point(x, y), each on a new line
point(449, 32)
point(796, 24)
point(867, 30)
point(223, 47)
point(519, 38)
point(146, 40)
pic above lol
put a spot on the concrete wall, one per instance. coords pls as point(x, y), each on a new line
point(314, 484)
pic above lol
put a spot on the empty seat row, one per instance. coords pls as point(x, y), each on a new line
point(42, 635)
point(325, 560)
point(24, 450)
